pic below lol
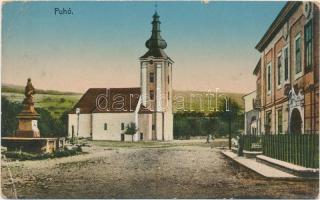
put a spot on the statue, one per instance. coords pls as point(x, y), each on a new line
point(29, 92)
point(28, 116)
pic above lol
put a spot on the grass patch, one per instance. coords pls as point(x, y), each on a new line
point(139, 144)
point(159, 144)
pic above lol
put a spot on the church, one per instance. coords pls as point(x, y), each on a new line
point(106, 113)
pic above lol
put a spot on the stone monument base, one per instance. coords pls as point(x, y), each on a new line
point(28, 134)
point(32, 145)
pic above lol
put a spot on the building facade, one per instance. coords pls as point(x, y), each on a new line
point(106, 113)
point(251, 114)
point(288, 71)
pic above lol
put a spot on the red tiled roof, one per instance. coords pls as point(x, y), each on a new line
point(108, 100)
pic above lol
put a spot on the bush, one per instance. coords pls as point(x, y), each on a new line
point(17, 155)
point(67, 152)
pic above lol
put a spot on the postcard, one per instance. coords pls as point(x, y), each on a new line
point(160, 99)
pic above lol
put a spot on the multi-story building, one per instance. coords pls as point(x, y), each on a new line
point(288, 71)
point(251, 114)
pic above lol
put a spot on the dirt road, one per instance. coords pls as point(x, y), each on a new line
point(174, 171)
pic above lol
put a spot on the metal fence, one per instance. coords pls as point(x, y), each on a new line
point(251, 142)
point(300, 149)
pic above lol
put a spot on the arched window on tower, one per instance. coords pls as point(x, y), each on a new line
point(151, 77)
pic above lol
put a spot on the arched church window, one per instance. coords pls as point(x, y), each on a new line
point(151, 77)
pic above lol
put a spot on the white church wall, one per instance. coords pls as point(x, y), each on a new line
point(113, 121)
point(145, 126)
point(168, 126)
point(159, 123)
point(144, 83)
point(84, 125)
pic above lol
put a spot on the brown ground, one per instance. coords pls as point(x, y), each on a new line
point(145, 170)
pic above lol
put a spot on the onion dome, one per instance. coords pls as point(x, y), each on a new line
point(156, 40)
point(156, 44)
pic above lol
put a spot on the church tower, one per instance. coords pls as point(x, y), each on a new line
point(156, 84)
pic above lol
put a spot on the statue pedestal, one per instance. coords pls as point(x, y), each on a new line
point(28, 128)
point(28, 121)
point(32, 145)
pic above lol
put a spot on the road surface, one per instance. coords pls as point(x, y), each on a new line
point(177, 170)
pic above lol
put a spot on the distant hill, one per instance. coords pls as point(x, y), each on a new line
point(57, 102)
point(10, 88)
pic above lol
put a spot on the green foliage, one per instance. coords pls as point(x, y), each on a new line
point(131, 129)
point(17, 155)
point(234, 116)
point(199, 100)
point(56, 104)
point(187, 124)
point(9, 121)
point(67, 152)
point(47, 124)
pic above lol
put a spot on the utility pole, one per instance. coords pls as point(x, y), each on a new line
point(230, 130)
point(78, 115)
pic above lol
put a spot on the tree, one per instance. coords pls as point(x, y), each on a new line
point(233, 116)
point(64, 120)
point(131, 129)
point(9, 121)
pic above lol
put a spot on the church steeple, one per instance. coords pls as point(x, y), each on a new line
point(156, 85)
point(156, 40)
point(156, 44)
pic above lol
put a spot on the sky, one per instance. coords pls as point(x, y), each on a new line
point(99, 45)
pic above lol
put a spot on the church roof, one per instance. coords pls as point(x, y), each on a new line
point(108, 100)
point(155, 44)
point(157, 53)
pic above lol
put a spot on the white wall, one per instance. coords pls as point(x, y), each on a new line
point(248, 106)
point(144, 83)
point(168, 126)
point(84, 125)
point(145, 126)
point(113, 121)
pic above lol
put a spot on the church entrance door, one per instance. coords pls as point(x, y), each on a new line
point(122, 137)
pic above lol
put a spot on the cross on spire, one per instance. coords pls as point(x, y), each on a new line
point(155, 7)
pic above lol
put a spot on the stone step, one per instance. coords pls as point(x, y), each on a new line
point(260, 168)
point(289, 167)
